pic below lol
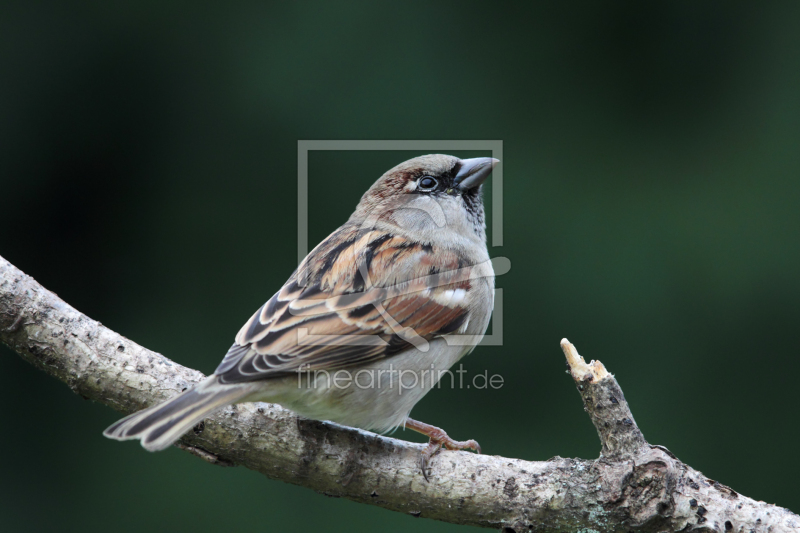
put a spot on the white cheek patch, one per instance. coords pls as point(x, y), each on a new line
point(418, 211)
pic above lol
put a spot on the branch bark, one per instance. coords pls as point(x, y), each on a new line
point(632, 486)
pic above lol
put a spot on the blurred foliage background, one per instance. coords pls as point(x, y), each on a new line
point(148, 155)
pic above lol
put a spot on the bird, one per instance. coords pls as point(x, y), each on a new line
point(369, 321)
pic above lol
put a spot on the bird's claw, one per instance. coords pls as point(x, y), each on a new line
point(442, 440)
point(426, 455)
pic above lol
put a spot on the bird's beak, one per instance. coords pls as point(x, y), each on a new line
point(474, 171)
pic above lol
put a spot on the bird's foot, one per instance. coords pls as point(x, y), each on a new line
point(438, 440)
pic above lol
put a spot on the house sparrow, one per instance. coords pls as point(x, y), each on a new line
point(369, 321)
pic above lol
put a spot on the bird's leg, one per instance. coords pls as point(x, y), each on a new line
point(438, 439)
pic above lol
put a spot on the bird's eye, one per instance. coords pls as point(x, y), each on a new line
point(427, 183)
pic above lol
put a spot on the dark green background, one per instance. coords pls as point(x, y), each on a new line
point(148, 155)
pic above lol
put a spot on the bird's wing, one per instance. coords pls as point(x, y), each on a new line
point(358, 297)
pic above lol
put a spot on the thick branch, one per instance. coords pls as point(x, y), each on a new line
point(632, 486)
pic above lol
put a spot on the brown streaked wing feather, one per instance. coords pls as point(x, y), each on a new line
point(325, 324)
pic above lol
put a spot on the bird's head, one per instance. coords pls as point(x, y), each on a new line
point(432, 195)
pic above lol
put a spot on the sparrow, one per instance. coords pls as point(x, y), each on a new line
point(369, 322)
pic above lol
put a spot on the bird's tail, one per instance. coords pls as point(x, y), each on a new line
point(161, 425)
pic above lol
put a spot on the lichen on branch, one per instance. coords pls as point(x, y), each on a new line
point(632, 486)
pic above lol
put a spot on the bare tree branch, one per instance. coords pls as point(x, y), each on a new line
point(632, 486)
